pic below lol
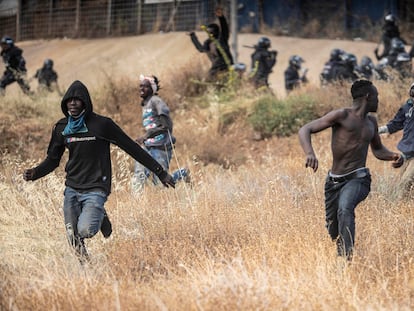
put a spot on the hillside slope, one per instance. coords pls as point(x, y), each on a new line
point(90, 60)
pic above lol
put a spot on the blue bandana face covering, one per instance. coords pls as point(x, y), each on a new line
point(75, 125)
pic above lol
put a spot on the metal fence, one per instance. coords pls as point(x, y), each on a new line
point(43, 19)
point(102, 18)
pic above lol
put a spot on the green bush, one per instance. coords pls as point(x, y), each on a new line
point(272, 116)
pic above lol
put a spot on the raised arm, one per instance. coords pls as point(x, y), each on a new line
point(224, 33)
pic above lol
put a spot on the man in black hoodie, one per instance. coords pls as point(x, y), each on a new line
point(88, 136)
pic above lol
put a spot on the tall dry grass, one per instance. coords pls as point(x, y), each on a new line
point(247, 236)
point(249, 239)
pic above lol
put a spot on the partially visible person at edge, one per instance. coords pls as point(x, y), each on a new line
point(263, 60)
point(404, 120)
point(293, 77)
point(216, 46)
point(15, 66)
point(348, 182)
point(158, 139)
point(87, 136)
point(47, 77)
point(390, 30)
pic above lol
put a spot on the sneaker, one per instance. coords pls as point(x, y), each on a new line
point(187, 177)
point(341, 251)
point(106, 227)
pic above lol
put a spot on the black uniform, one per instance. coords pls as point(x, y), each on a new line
point(345, 70)
point(390, 31)
point(263, 61)
point(366, 68)
point(15, 69)
point(292, 78)
point(46, 76)
point(330, 71)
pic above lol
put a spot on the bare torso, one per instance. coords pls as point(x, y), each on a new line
point(351, 137)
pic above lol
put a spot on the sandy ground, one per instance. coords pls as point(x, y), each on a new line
point(91, 60)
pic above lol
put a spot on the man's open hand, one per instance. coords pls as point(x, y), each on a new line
point(312, 162)
point(168, 181)
point(28, 174)
point(398, 161)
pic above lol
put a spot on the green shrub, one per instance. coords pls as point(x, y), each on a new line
point(272, 116)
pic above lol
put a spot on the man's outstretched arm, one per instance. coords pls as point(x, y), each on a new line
point(381, 152)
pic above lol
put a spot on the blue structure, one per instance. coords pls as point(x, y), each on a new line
point(274, 13)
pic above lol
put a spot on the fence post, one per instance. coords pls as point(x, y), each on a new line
point(77, 17)
point(139, 16)
point(108, 17)
point(50, 18)
point(18, 15)
point(233, 16)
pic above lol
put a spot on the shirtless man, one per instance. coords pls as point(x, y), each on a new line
point(348, 181)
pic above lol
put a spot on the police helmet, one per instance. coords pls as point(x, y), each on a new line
point(349, 59)
point(397, 45)
point(366, 62)
point(264, 43)
point(7, 40)
point(296, 61)
point(336, 54)
point(389, 18)
point(48, 63)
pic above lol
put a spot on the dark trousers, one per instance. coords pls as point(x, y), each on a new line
point(341, 199)
point(10, 77)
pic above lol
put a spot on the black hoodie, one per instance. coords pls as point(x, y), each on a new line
point(89, 163)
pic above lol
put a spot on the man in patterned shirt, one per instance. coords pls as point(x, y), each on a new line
point(158, 139)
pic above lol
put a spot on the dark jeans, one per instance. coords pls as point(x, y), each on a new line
point(83, 214)
point(341, 199)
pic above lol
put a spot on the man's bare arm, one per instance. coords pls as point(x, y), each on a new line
point(316, 126)
point(381, 152)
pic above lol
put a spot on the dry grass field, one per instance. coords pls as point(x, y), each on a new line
point(248, 235)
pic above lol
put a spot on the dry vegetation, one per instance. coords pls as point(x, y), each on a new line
point(249, 234)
